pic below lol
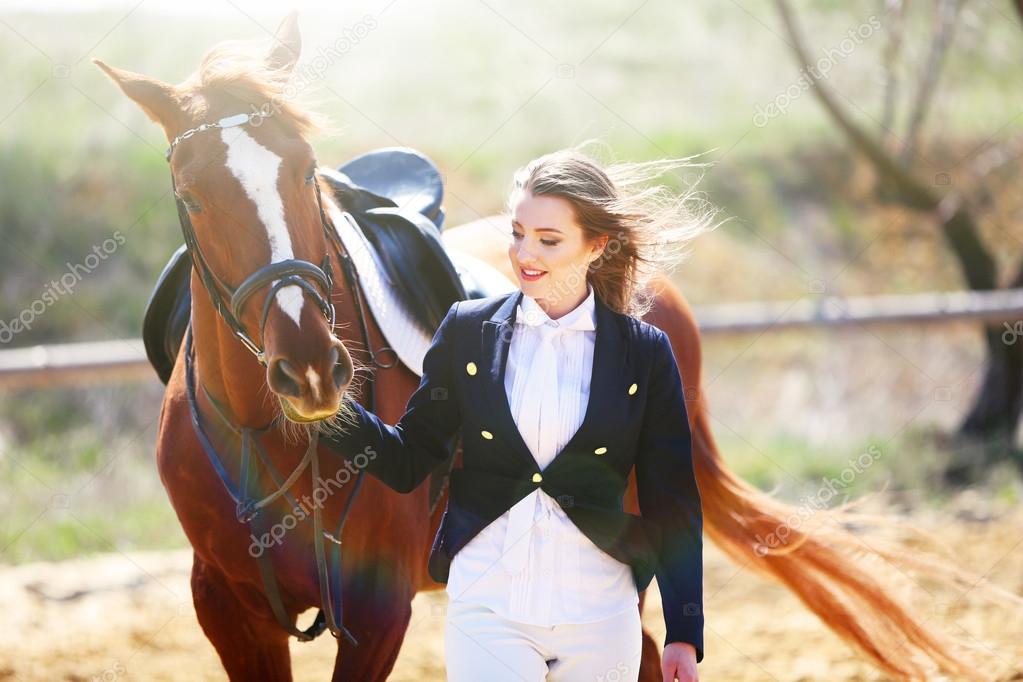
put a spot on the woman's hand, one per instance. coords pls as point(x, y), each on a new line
point(679, 663)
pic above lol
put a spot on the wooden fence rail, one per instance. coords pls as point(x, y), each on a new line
point(125, 359)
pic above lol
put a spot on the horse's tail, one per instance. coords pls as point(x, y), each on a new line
point(826, 566)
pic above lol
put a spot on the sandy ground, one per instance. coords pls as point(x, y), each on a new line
point(129, 617)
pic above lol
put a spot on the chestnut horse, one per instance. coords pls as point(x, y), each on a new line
point(249, 196)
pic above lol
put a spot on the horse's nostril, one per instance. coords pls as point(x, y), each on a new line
point(283, 378)
point(340, 374)
point(341, 366)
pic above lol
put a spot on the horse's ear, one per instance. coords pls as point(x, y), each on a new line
point(287, 44)
point(159, 100)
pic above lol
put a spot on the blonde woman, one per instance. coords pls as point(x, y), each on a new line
point(560, 392)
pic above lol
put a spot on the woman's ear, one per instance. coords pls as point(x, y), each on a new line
point(598, 248)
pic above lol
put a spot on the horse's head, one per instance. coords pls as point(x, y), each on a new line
point(248, 196)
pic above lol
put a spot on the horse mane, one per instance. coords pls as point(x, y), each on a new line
point(239, 70)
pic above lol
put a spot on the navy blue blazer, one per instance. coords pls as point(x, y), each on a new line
point(636, 417)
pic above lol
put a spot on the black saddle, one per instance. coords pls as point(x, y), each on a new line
point(395, 196)
point(399, 177)
point(167, 313)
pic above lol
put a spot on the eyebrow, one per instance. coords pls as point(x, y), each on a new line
point(538, 229)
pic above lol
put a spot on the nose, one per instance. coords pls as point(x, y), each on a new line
point(523, 256)
point(312, 388)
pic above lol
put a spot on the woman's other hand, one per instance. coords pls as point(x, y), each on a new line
point(679, 663)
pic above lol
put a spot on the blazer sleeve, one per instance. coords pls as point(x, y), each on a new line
point(403, 455)
point(670, 499)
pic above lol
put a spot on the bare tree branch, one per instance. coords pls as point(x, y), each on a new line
point(944, 30)
point(913, 193)
point(950, 212)
point(894, 12)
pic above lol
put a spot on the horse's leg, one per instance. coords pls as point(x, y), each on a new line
point(251, 646)
point(378, 614)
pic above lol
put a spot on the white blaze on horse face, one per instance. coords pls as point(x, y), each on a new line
point(314, 383)
point(257, 169)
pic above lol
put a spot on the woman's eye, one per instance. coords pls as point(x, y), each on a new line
point(545, 242)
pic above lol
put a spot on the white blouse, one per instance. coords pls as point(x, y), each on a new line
point(567, 578)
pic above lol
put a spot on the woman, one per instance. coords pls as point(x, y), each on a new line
point(559, 391)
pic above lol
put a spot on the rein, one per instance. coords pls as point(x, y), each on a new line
point(317, 282)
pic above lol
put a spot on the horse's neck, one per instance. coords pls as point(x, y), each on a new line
point(226, 368)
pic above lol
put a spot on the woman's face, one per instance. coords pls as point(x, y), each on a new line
point(548, 251)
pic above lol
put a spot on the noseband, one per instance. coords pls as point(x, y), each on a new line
point(314, 280)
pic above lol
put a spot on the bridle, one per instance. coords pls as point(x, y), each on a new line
point(291, 272)
point(317, 282)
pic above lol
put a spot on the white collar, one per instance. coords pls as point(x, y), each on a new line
point(582, 317)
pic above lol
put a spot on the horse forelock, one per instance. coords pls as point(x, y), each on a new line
point(238, 70)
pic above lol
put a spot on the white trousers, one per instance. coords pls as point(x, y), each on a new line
point(481, 645)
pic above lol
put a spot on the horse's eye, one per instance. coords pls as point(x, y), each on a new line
point(192, 205)
point(310, 176)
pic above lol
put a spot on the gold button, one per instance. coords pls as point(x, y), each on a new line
point(471, 369)
point(633, 389)
point(537, 478)
point(600, 451)
point(487, 435)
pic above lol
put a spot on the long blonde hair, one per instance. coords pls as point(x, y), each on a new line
point(648, 225)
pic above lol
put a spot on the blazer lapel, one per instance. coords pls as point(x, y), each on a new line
point(497, 332)
point(610, 356)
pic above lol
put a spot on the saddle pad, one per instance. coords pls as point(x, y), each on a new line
point(479, 278)
point(401, 330)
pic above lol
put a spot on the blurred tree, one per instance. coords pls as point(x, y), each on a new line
point(992, 421)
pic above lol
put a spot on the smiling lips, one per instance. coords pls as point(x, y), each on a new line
point(531, 275)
